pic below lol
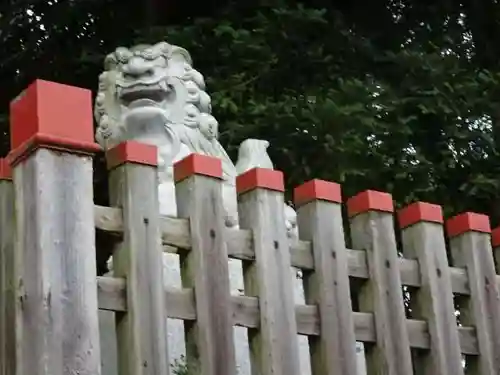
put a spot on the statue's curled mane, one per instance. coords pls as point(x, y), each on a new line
point(152, 94)
point(158, 79)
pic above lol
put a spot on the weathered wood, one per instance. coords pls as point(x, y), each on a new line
point(471, 249)
point(112, 293)
point(141, 331)
point(181, 303)
point(274, 345)
point(239, 242)
point(333, 352)
point(112, 298)
point(57, 289)
point(109, 219)
point(9, 272)
point(209, 340)
point(245, 313)
point(423, 240)
point(372, 229)
point(495, 244)
point(109, 358)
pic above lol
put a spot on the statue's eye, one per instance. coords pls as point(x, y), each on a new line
point(122, 56)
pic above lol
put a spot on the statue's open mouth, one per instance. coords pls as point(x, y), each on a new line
point(142, 94)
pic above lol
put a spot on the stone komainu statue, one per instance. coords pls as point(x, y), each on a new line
point(152, 94)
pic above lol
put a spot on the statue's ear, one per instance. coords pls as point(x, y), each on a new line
point(266, 144)
point(110, 61)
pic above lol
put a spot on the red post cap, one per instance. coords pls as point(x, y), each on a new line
point(132, 152)
point(317, 189)
point(420, 212)
point(370, 200)
point(495, 237)
point(52, 115)
point(467, 222)
point(197, 164)
point(260, 178)
point(5, 170)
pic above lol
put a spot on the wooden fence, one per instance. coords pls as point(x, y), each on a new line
point(51, 295)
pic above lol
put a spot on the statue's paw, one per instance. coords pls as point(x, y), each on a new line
point(231, 220)
point(252, 153)
point(291, 223)
point(109, 265)
point(292, 231)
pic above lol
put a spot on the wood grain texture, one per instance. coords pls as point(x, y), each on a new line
point(57, 288)
point(109, 358)
point(10, 313)
point(112, 293)
point(176, 239)
point(209, 339)
point(433, 300)
point(245, 313)
point(141, 331)
point(496, 255)
point(472, 251)
point(382, 294)
point(333, 352)
point(274, 345)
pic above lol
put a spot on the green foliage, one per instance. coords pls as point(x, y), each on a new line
point(414, 119)
point(181, 366)
point(395, 96)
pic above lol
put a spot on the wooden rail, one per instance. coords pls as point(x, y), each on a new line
point(176, 239)
point(50, 295)
point(112, 296)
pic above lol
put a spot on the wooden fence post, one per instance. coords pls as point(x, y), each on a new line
point(470, 244)
point(495, 243)
point(319, 212)
point(141, 332)
point(372, 229)
point(52, 147)
point(274, 345)
point(423, 240)
point(209, 340)
point(9, 271)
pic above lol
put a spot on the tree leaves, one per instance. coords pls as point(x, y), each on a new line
point(379, 95)
point(336, 105)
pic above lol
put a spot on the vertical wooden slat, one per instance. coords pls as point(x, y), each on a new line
point(107, 333)
point(372, 230)
point(274, 346)
point(52, 142)
point(9, 268)
point(141, 331)
point(495, 243)
point(471, 249)
point(333, 352)
point(209, 340)
point(423, 240)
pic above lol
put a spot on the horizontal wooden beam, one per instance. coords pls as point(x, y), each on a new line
point(111, 294)
point(176, 239)
point(181, 303)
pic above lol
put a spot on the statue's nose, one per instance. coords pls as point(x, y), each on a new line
point(137, 67)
